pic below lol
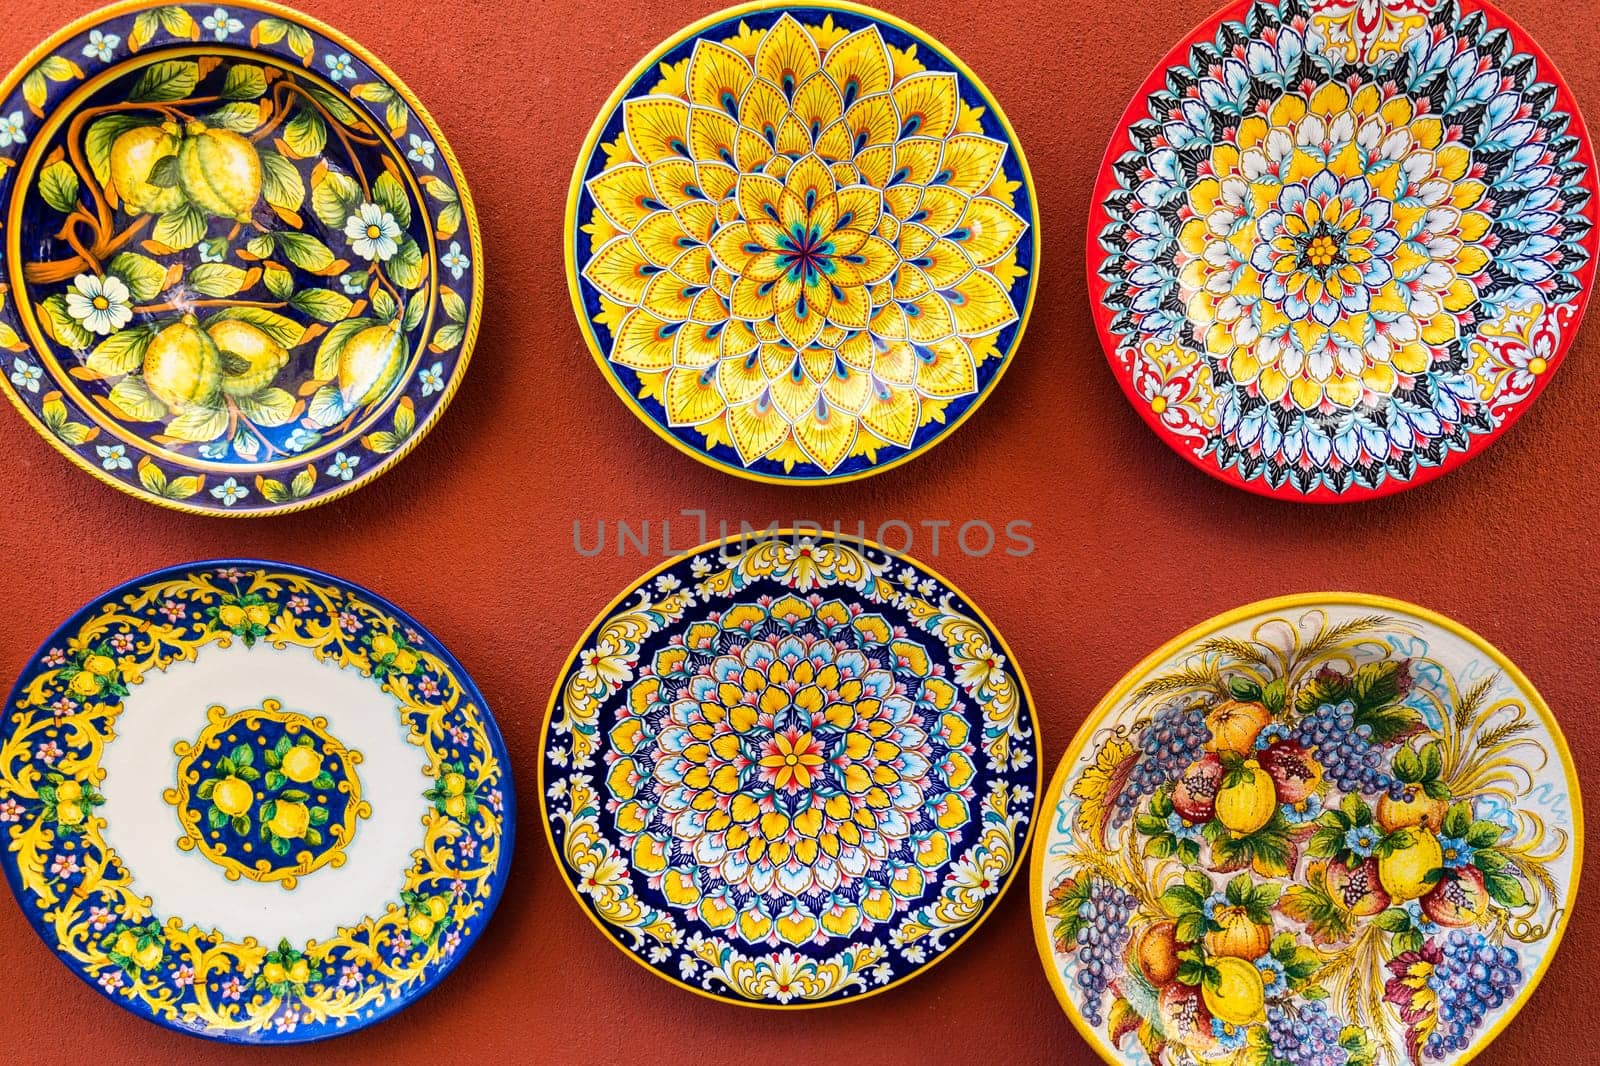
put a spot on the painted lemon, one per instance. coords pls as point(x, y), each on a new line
point(1248, 802)
point(301, 764)
point(290, 820)
point(68, 792)
point(133, 156)
point(149, 956)
point(437, 907)
point(1413, 807)
point(1411, 871)
point(231, 615)
point(383, 644)
point(103, 665)
point(219, 171)
point(84, 684)
point(126, 943)
point(232, 796)
point(421, 926)
point(1238, 997)
point(369, 364)
point(68, 813)
point(456, 806)
point(182, 368)
point(405, 660)
point(258, 614)
point(300, 972)
point(274, 973)
point(250, 358)
point(455, 784)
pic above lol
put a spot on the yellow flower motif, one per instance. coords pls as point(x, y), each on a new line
point(792, 758)
point(799, 237)
point(1331, 247)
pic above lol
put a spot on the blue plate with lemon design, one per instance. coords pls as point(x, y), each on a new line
point(253, 802)
point(241, 264)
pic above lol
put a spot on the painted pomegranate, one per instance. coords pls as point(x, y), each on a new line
point(1157, 952)
point(1358, 889)
point(1185, 1018)
point(1195, 795)
point(1459, 899)
point(1294, 771)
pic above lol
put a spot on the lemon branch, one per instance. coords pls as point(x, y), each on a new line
point(237, 419)
point(185, 305)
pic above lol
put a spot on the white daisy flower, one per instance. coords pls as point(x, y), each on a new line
point(373, 233)
point(11, 131)
point(101, 305)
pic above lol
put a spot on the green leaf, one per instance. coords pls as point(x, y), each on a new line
point(1505, 889)
point(121, 353)
point(325, 305)
point(313, 837)
point(1393, 920)
point(215, 818)
point(271, 406)
point(241, 824)
point(249, 773)
point(384, 306)
point(240, 118)
point(294, 795)
point(1375, 685)
point(1484, 834)
point(389, 194)
point(216, 279)
point(407, 266)
point(180, 228)
point(58, 186)
point(62, 326)
point(454, 306)
point(333, 197)
point(299, 489)
point(448, 337)
point(1274, 695)
point(332, 346)
point(1244, 688)
point(1191, 926)
point(135, 400)
point(199, 424)
point(170, 80)
point(319, 815)
point(285, 331)
point(1457, 820)
point(306, 134)
point(144, 276)
point(1237, 891)
point(275, 779)
point(335, 104)
point(207, 787)
point(305, 251)
point(1432, 761)
point(279, 282)
point(1407, 766)
point(262, 246)
point(416, 307)
point(242, 755)
point(281, 183)
point(244, 81)
point(279, 846)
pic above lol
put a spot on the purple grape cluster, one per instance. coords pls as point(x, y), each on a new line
point(1346, 751)
point(1102, 933)
point(1308, 1037)
point(1176, 737)
point(1473, 978)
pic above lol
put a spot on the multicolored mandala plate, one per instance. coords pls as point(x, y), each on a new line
point(802, 241)
point(1338, 247)
point(253, 802)
point(241, 262)
point(789, 771)
point(1327, 829)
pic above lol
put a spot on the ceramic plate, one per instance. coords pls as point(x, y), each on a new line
point(802, 241)
point(1330, 829)
point(1338, 247)
point(240, 261)
point(789, 771)
point(253, 802)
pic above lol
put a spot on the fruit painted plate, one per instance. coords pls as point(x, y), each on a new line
point(789, 770)
point(1337, 247)
point(253, 802)
point(802, 241)
point(1330, 828)
point(240, 262)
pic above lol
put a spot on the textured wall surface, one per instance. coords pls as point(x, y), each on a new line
point(474, 535)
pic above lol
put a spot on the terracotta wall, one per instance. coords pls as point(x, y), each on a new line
point(474, 534)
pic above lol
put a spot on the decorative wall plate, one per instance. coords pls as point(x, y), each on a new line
point(789, 771)
point(240, 260)
point(253, 802)
point(1330, 828)
point(802, 241)
point(1338, 247)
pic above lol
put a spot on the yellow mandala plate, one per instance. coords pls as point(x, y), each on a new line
point(1331, 828)
point(802, 241)
point(253, 802)
point(789, 771)
point(241, 263)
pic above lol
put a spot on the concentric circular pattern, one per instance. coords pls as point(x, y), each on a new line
point(802, 241)
point(1323, 830)
point(252, 802)
point(789, 772)
point(1337, 248)
point(240, 261)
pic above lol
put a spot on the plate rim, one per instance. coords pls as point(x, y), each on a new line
point(508, 817)
point(1274, 604)
point(469, 212)
point(1390, 486)
point(571, 223)
point(1024, 849)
